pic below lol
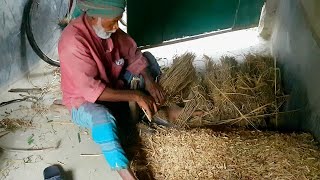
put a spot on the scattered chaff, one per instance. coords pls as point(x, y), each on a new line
point(10, 149)
point(79, 137)
point(5, 168)
point(90, 155)
point(25, 98)
point(3, 133)
point(229, 154)
point(14, 124)
point(61, 123)
point(26, 90)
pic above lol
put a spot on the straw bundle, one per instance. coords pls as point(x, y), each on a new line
point(177, 79)
point(244, 93)
point(241, 154)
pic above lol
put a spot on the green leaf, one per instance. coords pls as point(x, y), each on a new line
point(30, 139)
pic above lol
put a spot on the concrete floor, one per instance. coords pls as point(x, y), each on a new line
point(51, 123)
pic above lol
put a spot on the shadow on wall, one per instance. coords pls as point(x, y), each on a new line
point(297, 107)
point(17, 57)
point(298, 54)
point(1, 153)
point(23, 39)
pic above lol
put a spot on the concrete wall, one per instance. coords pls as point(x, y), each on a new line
point(312, 13)
point(267, 18)
point(16, 56)
point(296, 49)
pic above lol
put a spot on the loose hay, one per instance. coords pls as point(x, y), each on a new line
point(241, 154)
point(14, 124)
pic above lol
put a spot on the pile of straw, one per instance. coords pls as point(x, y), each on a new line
point(241, 154)
point(228, 92)
point(246, 93)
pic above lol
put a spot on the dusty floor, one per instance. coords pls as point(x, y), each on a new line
point(57, 139)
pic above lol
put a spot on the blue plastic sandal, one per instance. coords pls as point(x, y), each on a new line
point(52, 173)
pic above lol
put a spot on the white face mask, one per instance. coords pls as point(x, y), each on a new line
point(100, 31)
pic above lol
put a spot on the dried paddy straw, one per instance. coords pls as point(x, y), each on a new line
point(196, 101)
point(177, 79)
point(241, 154)
point(14, 124)
point(244, 93)
point(228, 92)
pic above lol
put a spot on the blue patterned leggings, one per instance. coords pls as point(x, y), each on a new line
point(104, 132)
